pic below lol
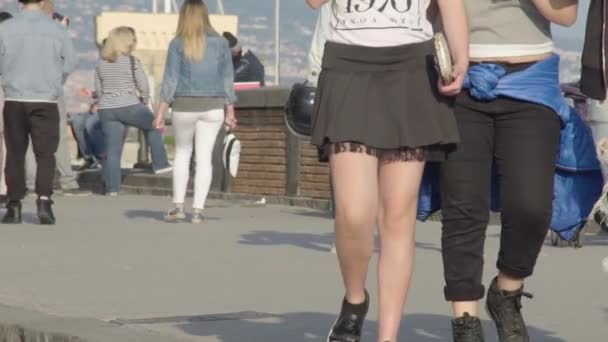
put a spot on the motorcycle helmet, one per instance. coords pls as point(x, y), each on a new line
point(299, 108)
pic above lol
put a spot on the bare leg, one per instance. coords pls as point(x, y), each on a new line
point(399, 186)
point(354, 177)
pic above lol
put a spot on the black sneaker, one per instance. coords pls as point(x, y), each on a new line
point(504, 307)
point(467, 329)
point(13, 213)
point(90, 164)
point(349, 323)
point(45, 212)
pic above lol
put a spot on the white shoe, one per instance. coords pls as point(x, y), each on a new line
point(175, 215)
point(197, 217)
point(163, 170)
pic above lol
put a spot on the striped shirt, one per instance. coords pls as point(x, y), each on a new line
point(117, 85)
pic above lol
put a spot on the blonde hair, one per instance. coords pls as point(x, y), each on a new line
point(121, 41)
point(192, 27)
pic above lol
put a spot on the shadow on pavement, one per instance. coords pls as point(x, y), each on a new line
point(310, 213)
point(310, 326)
point(153, 215)
point(316, 242)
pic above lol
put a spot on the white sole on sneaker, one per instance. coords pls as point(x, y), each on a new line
point(197, 217)
point(163, 170)
point(331, 330)
point(175, 217)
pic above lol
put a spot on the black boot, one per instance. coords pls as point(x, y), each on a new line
point(504, 307)
point(13, 213)
point(349, 324)
point(45, 212)
point(467, 329)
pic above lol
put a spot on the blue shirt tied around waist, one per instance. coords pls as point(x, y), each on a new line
point(578, 179)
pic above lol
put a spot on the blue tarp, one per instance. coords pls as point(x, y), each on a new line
point(578, 178)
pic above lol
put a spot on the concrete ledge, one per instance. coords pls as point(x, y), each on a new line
point(139, 182)
point(265, 97)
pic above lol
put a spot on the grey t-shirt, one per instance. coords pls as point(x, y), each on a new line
point(507, 28)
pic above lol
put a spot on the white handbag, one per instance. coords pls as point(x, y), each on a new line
point(443, 59)
point(232, 153)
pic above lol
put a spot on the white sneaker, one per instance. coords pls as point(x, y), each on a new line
point(175, 215)
point(163, 170)
point(197, 217)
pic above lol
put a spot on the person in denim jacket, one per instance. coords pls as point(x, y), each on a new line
point(36, 56)
point(3, 16)
point(198, 84)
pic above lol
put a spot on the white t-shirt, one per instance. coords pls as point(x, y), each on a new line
point(379, 23)
point(315, 55)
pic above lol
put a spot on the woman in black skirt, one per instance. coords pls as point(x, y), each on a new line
point(380, 114)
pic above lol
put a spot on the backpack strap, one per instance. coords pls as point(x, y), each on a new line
point(132, 61)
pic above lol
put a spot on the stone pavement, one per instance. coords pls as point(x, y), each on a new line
point(112, 270)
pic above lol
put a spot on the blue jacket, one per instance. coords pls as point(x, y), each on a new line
point(213, 76)
point(36, 56)
point(578, 179)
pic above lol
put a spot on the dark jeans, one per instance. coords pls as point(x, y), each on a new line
point(41, 122)
point(114, 123)
point(89, 135)
point(521, 139)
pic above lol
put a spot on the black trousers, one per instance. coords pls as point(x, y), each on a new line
point(521, 139)
point(39, 120)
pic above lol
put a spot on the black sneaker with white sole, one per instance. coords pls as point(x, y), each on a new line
point(467, 329)
point(504, 307)
point(349, 324)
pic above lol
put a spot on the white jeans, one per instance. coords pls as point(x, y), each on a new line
point(203, 127)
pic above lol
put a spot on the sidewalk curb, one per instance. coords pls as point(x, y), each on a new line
point(140, 183)
point(20, 325)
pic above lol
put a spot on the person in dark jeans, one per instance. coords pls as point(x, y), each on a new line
point(36, 56)
point(123, 93)
point(89, 136)
point(3, 16)
point(516, 138)
point(247, 66)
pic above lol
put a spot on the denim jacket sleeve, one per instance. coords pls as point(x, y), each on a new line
point(68, 54)
point(228, 72)
point(171, 76)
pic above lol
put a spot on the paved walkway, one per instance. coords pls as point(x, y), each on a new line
point(269, 269)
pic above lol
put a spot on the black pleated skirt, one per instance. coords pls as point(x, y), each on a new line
point(383, 102)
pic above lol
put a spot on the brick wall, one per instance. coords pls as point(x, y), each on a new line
point(263, 165)
point(314, 176)
point(273, 161)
